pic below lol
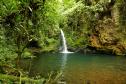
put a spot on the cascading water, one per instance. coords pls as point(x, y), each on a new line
point(64, 45)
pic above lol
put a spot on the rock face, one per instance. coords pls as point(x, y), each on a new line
point(109, 32)
point(107, 38)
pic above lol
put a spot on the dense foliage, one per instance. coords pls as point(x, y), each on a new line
point(30, 26)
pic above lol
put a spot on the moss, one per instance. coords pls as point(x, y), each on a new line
point(107, 38)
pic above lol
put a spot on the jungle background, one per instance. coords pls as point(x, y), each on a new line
point(28, 27)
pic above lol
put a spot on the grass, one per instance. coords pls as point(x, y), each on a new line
point(4, 78)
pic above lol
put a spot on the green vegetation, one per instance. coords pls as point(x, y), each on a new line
point(32, 26)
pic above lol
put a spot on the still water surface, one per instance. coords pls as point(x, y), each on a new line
point(80, 68)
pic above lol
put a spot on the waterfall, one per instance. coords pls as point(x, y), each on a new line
point(64, 45)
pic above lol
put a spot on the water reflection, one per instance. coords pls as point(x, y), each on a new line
point(64, 61)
